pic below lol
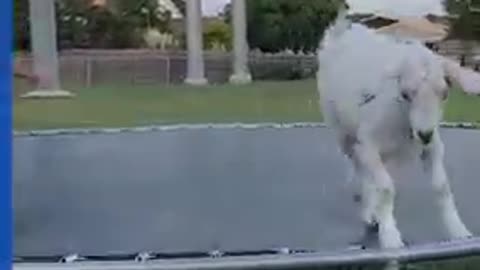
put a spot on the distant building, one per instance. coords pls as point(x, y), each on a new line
point(99, 3)
point(431, 28)
point(416, 28)
point(371, 20)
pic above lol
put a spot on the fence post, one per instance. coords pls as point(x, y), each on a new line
point(135, 69)
point(241, 73)
point(44, 47)
point(195, 55)
point(168, 69)
point(88, 72)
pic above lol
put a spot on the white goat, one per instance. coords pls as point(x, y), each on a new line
point(384, 99)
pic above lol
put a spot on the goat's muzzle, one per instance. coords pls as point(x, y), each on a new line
point(425, 136)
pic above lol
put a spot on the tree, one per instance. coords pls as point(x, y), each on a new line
point(119, 24)
point(71, 17)
point(275, 25)
point(226, 13)
point(466, 19)
point(217, 34)
point(181, 5)
point(143, 14)
point(21, 25)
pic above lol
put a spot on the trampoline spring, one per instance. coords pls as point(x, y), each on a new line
point(71, 258)
point(284, 251)
point(144, 256)
point(215, 254)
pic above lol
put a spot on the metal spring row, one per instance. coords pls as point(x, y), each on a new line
point(143, 129)
point(149, 256)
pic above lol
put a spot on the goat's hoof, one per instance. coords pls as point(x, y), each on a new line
point(460, 234)
point(391, 240)
point(369, 239)
point(463, 237)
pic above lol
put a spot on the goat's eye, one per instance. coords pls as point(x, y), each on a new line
point(405, 96)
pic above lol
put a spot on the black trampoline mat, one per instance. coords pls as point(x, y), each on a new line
point(209, 189)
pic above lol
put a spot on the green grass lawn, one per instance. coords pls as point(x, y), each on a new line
point(112, 106)
point(126, 106)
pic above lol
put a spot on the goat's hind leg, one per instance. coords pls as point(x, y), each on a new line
point(365, 195)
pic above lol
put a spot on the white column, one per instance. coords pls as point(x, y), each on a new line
point(44, 47)
point(241, 74)
point(196, 65)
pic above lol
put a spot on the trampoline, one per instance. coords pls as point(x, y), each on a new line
point(265, 196)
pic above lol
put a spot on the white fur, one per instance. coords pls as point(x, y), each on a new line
point(361, 78)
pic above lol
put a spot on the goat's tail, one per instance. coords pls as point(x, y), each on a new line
point(337, 28)
point(324, 52)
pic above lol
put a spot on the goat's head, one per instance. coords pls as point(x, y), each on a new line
point(425, 80)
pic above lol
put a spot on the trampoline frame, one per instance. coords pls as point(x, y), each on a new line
point(282, 259)
point(429, 252)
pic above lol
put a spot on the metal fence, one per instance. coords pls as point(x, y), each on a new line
point(90, 68)
point(456, 49)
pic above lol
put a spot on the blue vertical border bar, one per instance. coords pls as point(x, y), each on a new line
point(6, 79)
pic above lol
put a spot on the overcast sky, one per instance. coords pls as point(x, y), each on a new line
point(394, 7)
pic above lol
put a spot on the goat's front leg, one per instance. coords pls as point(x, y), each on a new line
point(383, 194)
point(433, 159)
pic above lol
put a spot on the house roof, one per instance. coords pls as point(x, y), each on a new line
point(416, 28)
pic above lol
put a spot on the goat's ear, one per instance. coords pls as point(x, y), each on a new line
point(467, 79)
